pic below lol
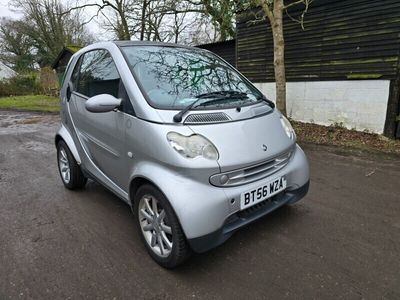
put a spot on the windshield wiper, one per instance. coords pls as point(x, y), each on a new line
point(265, 99)
point(220, 95)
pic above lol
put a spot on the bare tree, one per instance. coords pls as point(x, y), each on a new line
point(178, 26)
point(273, 10)
point(171, 21)
point(125, 18)
point(161, 20)
point(221, 14)
point(117, 21)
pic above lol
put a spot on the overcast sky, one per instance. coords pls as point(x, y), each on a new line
point(5, 11)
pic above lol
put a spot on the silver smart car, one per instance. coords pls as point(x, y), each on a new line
point(182, 137)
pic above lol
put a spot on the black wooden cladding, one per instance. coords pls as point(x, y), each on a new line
point(224, 49)
point(342, 39)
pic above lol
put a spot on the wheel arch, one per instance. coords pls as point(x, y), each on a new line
point(139, 181)
point(64, 135)
point(205, 199)
point(136, 183)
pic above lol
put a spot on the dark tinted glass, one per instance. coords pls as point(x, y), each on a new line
point(75, 72)
point(98, 74)
point(172, 77)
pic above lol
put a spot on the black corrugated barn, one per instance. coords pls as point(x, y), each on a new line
point(341, 40)
point(227, 50)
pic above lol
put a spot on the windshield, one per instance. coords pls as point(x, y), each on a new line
point(173, 77)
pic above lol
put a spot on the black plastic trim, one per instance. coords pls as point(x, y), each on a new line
point(243, 218)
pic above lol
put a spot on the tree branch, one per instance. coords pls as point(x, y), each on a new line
point(294, 3)
point(82, 6)
point(301, 18)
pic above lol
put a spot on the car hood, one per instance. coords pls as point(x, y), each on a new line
point(247, 142)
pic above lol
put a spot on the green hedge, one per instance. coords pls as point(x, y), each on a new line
point(20, 84)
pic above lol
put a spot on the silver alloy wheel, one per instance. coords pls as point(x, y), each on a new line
point(154, 224)
point(64, 165)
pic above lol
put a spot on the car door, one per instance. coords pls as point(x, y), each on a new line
point(102, 135)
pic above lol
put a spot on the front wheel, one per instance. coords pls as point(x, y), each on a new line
point(70, 172)
point(159, 227)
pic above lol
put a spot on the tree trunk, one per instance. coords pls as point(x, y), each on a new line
point(276, 21)
point(223, 36)
point(143, 20)
point(393, 110)
point(127, 35)
point(124, 23)
point(176, 29)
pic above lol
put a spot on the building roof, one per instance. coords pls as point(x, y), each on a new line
point(69, 49)
point(222, 43)
point(73, 48)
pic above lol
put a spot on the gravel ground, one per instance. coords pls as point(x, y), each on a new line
point(341, 241)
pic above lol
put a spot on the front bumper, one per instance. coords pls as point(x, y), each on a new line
point(203, 208)
point(245, 217)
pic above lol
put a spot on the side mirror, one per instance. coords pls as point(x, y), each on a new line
point(102, 103)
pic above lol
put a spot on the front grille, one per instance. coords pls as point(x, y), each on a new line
point(248, 215)
point(248, 212)
point(206, 118)
point(252, 173)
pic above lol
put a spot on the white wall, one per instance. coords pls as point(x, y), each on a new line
point(358, 104)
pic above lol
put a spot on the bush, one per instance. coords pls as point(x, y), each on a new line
point(20, 84)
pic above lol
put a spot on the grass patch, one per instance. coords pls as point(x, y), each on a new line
point(340, 136)
point(39, 103)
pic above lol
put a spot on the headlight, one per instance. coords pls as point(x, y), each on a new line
point(288, 128)
point(192, 146)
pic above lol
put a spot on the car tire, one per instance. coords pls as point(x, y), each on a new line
point(161, 231)
point(70, 172)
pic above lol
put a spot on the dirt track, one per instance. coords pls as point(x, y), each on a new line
point(342, 241)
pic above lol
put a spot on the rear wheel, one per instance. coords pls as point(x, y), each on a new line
point(70, 172)
point(159, 227)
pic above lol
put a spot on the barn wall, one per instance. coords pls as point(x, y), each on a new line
point(226, 50)
point(338, 68)
point(342, 39)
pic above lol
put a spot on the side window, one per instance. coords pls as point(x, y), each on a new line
point(75, 72)
point(98, 74)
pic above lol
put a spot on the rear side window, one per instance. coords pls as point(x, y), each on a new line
point(98, 74)
point(75, 72)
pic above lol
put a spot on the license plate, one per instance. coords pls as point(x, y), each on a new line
point(262, 193)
